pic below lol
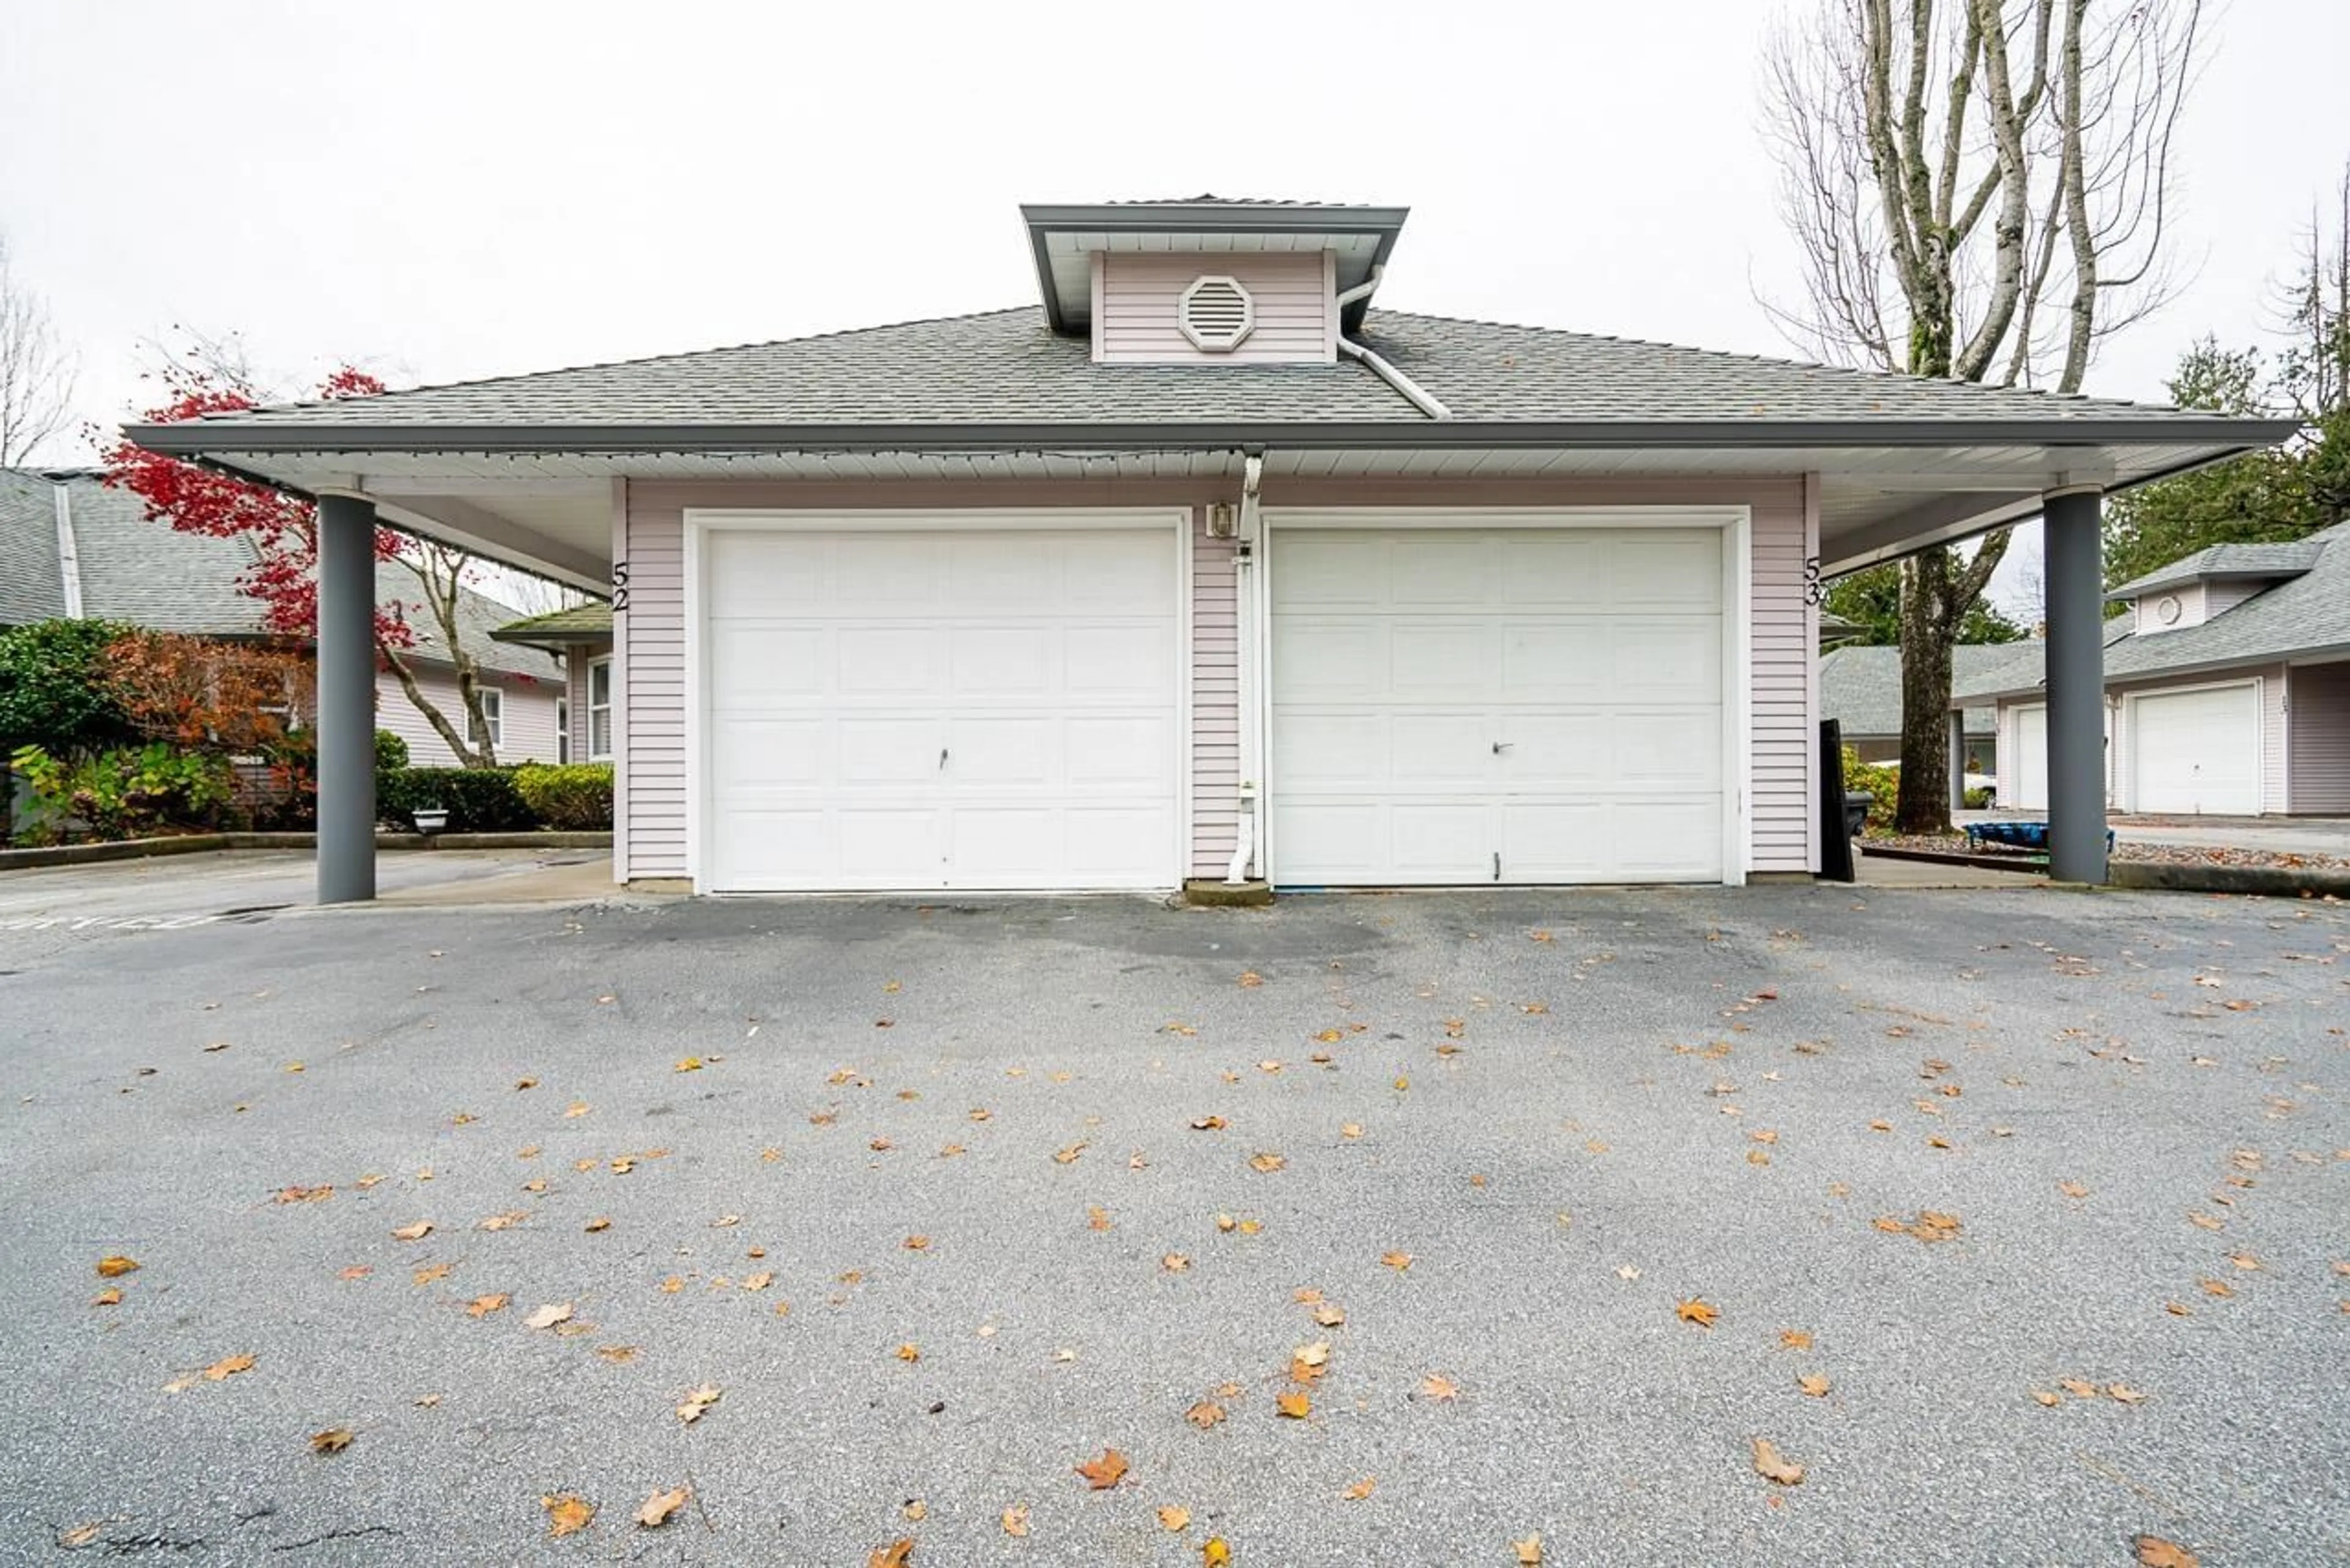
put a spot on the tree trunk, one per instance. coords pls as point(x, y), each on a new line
point(467, 756)
point(1930, 614)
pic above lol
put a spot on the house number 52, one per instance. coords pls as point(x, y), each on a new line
point(619, 587)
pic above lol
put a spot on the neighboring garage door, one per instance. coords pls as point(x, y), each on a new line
point(942, 710)
point(2197, 752)
point(2027, 787)
point(1516, 705)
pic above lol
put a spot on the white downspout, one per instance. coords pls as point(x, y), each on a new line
point(1246, 660)
point(1418, 396)
point(69, 555)
point(1413, 393)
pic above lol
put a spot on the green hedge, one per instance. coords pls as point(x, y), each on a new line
point(390, 750)
point(478, 800)
point(577, 797)
point(53, 689)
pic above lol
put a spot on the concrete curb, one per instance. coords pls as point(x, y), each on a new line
point(2264, 881)
point(212, 843)
point(2163, 876)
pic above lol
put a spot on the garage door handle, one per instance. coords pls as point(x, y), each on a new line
point(942, 756)
point(1500, 746)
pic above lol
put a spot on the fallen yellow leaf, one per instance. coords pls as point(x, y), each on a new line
point(333, 1440)
point(1443, 1390)
point(1205, 1415)
point(1528, 1551)
point(567, 1514)
point(228, 1367)
point(660, 1505)
point(1360, 1489)
point(897, 1554)
point(1175, 1518)
point(697, 1402)
point(1696, 1312)
point(1295, 1404)
point(483, 1307)
point(1813, 1384)
point(1015, 1521)
point(689, 1064)
point(416, 1232)
point(1214, 1552)
point(549, 1316)
point(1105, 1472)
point(1772, 1466)
point(2154, 1551)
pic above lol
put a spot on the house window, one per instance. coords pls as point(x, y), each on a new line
point(563, 729)
point(600, 710)
point(494, 713)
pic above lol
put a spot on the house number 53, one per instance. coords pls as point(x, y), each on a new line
point(1814, 590)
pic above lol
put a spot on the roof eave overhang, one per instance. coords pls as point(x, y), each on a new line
point(2200, 441)
point(555, 642)
point(1202, 218)
point(2128, 591)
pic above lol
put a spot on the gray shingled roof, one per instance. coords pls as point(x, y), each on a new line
point(29, 583)
point(590, 622)
point(1008, 368)
point(2219, 562)
point(146, 573)
point(1861, 687)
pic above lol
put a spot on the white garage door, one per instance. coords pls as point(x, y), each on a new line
point(901, 710)
point(1514, 705)
point(2197, 752)
point(2027, 784)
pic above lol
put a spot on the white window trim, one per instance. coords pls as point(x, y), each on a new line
point(700, 523)
point(1736, 523)
point(603, 661)
point(493, 717)
point(563, 726)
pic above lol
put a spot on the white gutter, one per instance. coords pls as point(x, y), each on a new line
point(68, 556)
point(1248, 662)
point(1413, 393)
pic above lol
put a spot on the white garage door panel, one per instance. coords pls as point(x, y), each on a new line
point(2028, 790)
point(1443, 697)
point(2198, 752)
point(941, 709)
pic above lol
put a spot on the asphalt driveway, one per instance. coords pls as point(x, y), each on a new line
point(2041, 1192)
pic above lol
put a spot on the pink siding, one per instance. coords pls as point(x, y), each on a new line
point(1215, 704)
point(527, 723)
point(2318, 746)
point(1135, 321)
point(652, 728)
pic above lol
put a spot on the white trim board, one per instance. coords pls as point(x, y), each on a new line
point(700, 523)
point(1737, 524)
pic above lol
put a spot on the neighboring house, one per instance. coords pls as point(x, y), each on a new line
point(1860, 687)
point(1205, 565)
point(2227, 687)
point(71, 547)
point(581, 637)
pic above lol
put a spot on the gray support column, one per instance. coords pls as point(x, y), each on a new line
point(2075, 572)
point(1958, 749)
point(346, 700)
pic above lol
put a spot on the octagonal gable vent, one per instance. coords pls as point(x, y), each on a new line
point(1216, 314)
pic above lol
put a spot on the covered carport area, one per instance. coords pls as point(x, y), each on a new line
point(552, 497)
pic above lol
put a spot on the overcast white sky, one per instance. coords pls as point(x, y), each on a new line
point(442, 190)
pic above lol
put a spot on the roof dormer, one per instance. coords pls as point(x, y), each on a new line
point(2210, 582)
point(1208, 281)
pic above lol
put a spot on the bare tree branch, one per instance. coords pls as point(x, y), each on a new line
point(36, 371)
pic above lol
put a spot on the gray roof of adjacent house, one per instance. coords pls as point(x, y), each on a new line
point(2305, 617)
point(1861, 687)
point(588, 623)
point(142, 572)
point(2224, 562)
point(1009, 371)
point(30, 586)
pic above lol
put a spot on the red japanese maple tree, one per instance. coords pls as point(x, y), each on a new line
point(282, 533)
